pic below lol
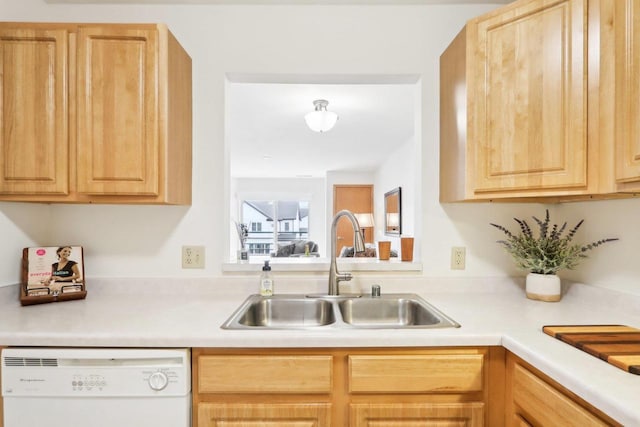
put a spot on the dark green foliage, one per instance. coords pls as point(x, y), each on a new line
point(549, 251)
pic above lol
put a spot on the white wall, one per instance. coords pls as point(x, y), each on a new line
point(614, 265)
point(137, 241)
point(21, 225)
point(398, 171)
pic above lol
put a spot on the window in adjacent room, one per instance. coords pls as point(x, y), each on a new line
point(274, 223)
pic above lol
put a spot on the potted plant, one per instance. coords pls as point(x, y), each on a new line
point(243, 234)
point(545, 253)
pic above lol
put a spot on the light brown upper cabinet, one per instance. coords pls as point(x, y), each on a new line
point(34, 111)
point(627, 18)
point(528, 103)
point(96, 113)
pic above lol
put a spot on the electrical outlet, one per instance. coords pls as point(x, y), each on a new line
point(193, 257)
point(458, 255)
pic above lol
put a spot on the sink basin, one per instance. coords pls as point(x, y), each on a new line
point(282, 312)
point(388, 312)
point(397, 311)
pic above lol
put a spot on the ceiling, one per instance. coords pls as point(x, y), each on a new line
point(268, 137)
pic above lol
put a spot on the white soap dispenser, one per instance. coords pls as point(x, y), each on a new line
point(266, 280)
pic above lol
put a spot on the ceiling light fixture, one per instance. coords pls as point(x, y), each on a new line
point(321, 120)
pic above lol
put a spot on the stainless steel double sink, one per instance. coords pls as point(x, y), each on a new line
point(290, 311)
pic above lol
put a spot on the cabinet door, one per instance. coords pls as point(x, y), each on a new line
point(527, 93)
point(417, 414)
point(264, 415)
point(34, 140)
point(627, 91)
point(422, 373)
point(118, 144)
point(545, 405)
point(264, 373)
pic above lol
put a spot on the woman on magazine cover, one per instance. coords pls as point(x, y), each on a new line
point(64, 270)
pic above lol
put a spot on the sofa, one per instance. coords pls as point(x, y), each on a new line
point(296, 248)
point(369, 252)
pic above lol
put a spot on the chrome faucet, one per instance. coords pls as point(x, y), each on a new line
point(358, 246)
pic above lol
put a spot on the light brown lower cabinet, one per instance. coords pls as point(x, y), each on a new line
point(417, 414)
point(268, 415)
point(379, 387)
point(534, 399)
point(357, 387)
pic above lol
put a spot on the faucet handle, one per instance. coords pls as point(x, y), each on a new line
point(343, 277)
point(375, 291)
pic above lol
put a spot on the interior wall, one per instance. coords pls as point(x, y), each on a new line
point(397, 171)
point(145, 241)
point(22, 225)
point(613, 264)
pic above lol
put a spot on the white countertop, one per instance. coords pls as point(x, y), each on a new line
point(188, 313)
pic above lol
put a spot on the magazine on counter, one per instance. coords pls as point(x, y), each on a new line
point(52, 273)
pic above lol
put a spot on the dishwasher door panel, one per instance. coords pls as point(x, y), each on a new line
point(97, 412)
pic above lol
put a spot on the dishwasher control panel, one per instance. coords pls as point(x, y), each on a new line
point(88, 382)
point(95, 372)
point(157, 379)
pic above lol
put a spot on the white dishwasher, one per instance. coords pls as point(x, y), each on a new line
point(78, 387)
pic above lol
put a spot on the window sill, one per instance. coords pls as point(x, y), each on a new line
point(315, 264)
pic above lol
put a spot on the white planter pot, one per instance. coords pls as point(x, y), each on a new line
point(544, 287)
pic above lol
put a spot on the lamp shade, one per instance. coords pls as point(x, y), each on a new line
point(365, 219)
point(393, 220)
point(321, 120)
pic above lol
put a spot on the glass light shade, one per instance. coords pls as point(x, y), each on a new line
point(321, 121)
